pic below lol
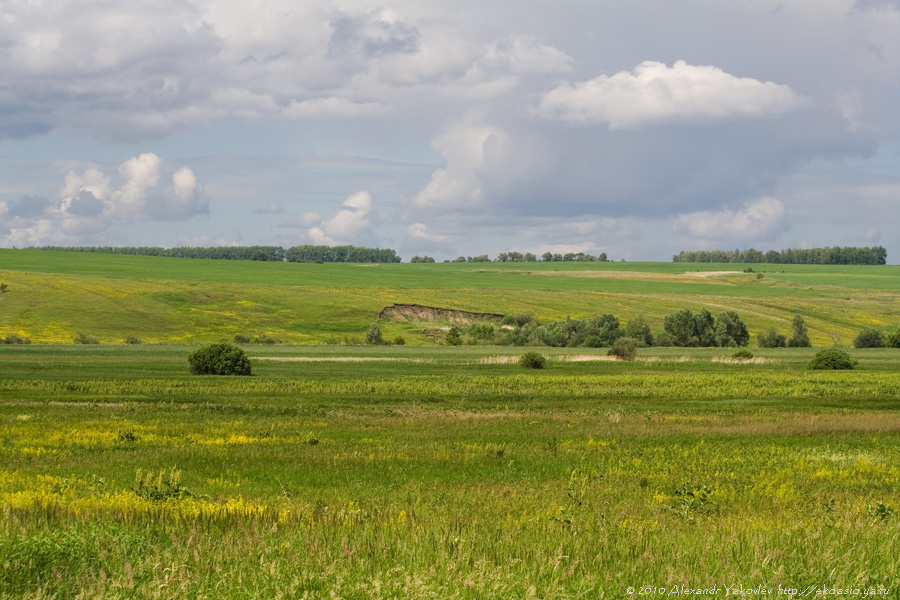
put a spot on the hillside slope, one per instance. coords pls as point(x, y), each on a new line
point(53, 295)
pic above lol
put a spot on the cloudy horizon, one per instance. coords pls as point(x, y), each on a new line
point(636, 129)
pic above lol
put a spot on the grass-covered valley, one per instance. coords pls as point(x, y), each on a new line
point(345, 470)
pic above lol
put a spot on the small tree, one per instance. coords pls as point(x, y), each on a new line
point(893, 339)
point(219, 359)
point(800, 337)
point(831, 358)
point(731, 330)
point(373, 335)
point(3, 288)
point(869, 338)
point(638, 329)
point(624, 348)
point(771, 339)
point(454, 336)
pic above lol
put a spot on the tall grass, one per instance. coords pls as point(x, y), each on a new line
point(121, 476)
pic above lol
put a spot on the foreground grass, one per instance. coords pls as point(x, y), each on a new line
point(439, 474)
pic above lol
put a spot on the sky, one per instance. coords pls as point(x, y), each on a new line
point(637, 128)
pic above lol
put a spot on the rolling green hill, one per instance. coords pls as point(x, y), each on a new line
point(52, 295)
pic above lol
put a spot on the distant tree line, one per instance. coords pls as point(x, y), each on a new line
point(260, 253)
point(836, 255)
point(340, 254)
point(530, 257)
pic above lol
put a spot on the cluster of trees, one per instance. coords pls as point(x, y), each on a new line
point(596, 332)
point(798, 339)
point(530, 257)
point(261, 253)
point(872, 338)
point(684, 328)
point(874, 255)
point(357, 254)
point(681, 328)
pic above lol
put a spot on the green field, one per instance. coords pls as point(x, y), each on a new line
point(444, 473)
point(340, 470)
point(54, 295)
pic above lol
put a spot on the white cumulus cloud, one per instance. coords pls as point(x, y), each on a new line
point(465, 147)
point(142, 196)
point(349, 226)
point(760, 220)
point(655, 92)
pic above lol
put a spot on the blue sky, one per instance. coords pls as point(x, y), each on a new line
point(637, 128)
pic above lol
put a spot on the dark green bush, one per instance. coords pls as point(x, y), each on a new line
point(241, 338)
point(81, 338)
point(132, 339)
point(454, 336)
point(832, 358)
point(624, 348)
point(532, 360)
point(742, 355)
point(771, 339)
point(219, 359)
point(373, 335)
point(893, 339)
point(15, 339)
point(869, 338)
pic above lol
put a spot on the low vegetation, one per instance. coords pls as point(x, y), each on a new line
point(441, 473)
point(533, 360)
point(219, 359)
point(832, 359)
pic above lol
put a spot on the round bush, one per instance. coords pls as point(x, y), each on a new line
point(869, 338)
point(219, 359)
point(624, 348)
point(532, 360)
point(742, 355)
point(831, 358)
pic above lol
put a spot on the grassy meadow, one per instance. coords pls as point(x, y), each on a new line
point(54, 295)
point(348, 471)
point(444, 473)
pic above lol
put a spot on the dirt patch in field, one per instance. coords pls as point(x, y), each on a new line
point(416, 312)
point(710, 273)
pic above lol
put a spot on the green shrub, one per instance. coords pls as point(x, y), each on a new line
point(15, 339)
point(624, 348)
point(831, 358)
point(219, 359)
point(868, 338)
point(771, 339)
point(241, 338)
point(532, 360)
point(81, 338)
point(399, 341)
point(893, 339)
point(264, 338)
point(454, 336)
point(373, 335)
point(742, 355)
point(132, 339)
point(518, 319)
